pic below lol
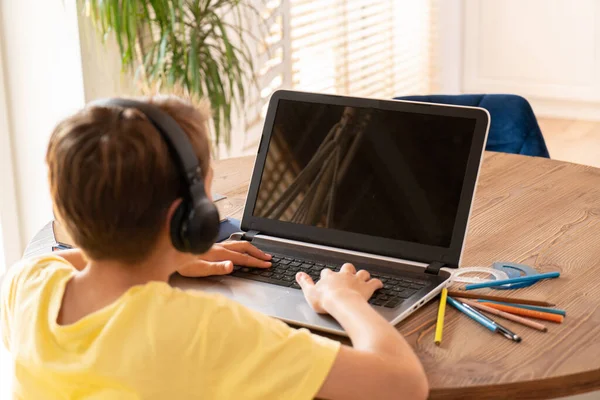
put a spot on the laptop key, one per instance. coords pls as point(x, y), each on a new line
point(295, 264)
point(284, 262)
point(288, 278)
point(378, 303)
point(295, 285)
point(289, 258)
point(306, 267)
point(267, 274)
point(393, 303)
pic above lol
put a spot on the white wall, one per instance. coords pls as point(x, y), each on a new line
point(101, 65)
point(43, 84)
point(10, 242)
point(546, 50)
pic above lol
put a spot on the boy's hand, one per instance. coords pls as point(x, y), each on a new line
point(333, 286)
point(219, 260)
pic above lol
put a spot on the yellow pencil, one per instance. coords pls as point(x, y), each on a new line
point(440, 319)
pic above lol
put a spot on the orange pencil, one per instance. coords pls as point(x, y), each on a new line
point(509, 316)
point(526, 313)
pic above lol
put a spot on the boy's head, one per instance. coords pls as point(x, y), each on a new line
point(113, 180)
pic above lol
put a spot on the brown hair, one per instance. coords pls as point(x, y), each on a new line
point(112, 178)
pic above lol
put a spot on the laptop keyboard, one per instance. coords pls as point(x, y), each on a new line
point(283, 273)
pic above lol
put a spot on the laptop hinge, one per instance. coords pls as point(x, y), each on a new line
point(248, 236)
point(434, 267)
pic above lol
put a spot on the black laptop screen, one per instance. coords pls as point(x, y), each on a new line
point(383, 173)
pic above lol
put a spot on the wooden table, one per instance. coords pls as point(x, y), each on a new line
point(540, 212)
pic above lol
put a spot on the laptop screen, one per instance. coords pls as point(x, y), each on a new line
point(383, 173)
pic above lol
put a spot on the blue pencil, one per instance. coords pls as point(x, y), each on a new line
point(529, 278)
point(483, 321)
point(528, 307)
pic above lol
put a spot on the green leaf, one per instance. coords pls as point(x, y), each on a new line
point(201, 45)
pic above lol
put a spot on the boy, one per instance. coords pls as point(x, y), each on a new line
point(103, 323)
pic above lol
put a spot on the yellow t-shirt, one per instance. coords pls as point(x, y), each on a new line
point(154, 342)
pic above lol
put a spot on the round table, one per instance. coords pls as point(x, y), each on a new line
point(534, 211)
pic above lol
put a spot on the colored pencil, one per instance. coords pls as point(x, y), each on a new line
point(499, 298)
point(440, 318)
point(486, 322)
point(534, 308)
point(527, 313)
point(505, 315)
point(504, 331)
point(528, 278)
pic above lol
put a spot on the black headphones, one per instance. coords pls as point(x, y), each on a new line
point(195, 223)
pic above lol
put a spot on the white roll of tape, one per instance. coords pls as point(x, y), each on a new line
point(457, 276)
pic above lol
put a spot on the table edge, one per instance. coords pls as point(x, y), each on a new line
point(547, 388)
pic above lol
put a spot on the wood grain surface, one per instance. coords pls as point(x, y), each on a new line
point(540, 212)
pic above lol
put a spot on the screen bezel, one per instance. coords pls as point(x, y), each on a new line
point(360, 242)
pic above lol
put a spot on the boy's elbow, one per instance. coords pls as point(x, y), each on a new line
point(421, 387)
point(413, 385)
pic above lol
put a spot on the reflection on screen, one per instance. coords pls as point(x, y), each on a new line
point(382, 173)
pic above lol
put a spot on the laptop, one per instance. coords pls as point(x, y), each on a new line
point(386, 185)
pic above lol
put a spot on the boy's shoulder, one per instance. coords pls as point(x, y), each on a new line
point(31, 268)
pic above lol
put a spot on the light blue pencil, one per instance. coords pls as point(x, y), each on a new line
point(528, 307)
point(528, 278)
point(486, 322)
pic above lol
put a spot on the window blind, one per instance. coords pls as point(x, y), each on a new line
point(367, 48)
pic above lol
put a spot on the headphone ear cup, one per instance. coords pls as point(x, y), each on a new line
point(202, 226)
point(176, 227)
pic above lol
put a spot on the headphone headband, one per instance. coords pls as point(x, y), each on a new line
point(169, 130)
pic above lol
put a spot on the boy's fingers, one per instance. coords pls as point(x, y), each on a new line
point(348, 268)
point(201, 268)
point(375, 284)
point(247, 247)
point(363, 274)
point(304, 280)
point(246, 260)
point(325, 271)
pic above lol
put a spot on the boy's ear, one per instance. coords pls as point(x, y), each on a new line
point(171, 212)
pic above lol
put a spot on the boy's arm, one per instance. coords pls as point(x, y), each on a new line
point(380, 365)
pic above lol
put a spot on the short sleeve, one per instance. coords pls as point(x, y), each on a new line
point(259, 357)
point(8, 295)
point(14, 282)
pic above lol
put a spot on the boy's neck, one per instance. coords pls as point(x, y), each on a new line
point(122, 275)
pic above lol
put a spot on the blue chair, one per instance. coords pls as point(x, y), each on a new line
point(513, 127)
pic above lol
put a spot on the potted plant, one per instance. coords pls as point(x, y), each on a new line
point(195, 46)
